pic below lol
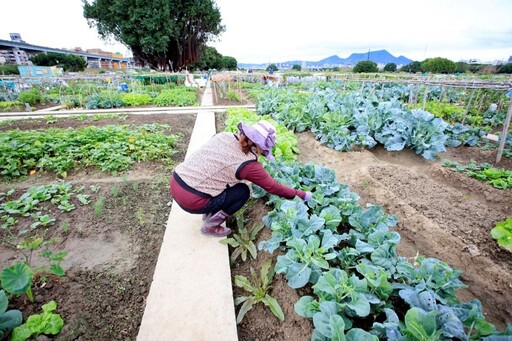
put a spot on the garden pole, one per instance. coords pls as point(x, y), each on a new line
point(425, 98)
point(469, 105)
point(506, 127)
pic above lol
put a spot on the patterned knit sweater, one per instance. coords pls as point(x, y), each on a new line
point(216, 165)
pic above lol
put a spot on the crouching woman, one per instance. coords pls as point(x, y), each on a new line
point(210, 181)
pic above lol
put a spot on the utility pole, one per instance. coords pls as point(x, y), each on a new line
point(368, 57)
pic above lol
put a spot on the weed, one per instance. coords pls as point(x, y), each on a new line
point(95, 188)
point(115, 190)
point(365, 183)
point(99, 206)
point(140, 216)
point(135, 186)
point(65, 227)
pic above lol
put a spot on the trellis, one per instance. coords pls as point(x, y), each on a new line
point(219, 80)
point(504, 85)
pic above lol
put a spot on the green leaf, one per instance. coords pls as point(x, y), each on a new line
point(21, 333)
point(420, 324)
point(271, 302)
point(356, 334)
point(244, 309)
point(17, 278)
point(244, 283)
point(10, 319)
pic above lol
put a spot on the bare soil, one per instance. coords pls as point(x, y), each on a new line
point(441, 214)
point(112, 253)
point(112, 248)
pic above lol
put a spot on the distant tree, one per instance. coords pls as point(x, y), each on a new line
point(296, 67)
point(412, 67)
point(68, 62)
point(438, 65)
point(390, 67)
point(48, 59)
point(461, 67)
point(74, 63)
point(229, 63)
point(336, 69)
point(209, 59)
point(9, 69)
point(273, 67)
point(366, 66)
point(505, 68)
point(161, 33)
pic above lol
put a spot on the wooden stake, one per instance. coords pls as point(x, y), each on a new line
point(504, 134)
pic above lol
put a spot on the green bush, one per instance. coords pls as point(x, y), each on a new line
point(104, 101)
point(70, 102)
point(136, 99)
point(10, 106)
point(366, 66)
point(178, 97)
point(32, 96)
point(9, 69)
point(445, 111)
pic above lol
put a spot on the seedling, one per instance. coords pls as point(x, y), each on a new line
point(99, 206)
point(258, 289)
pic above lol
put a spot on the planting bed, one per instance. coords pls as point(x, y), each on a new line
point(112, 247)
point(440, 213)
point(112, 254)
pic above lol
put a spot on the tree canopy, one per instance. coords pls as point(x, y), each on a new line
point(390, 67)
point(412, 67)
point(68, 62)
point(366, 66)
point(165, 34)
point(438, 65)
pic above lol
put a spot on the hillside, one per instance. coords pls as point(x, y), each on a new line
point(381, 57)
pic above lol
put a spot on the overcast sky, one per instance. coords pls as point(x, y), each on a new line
point(263, 31)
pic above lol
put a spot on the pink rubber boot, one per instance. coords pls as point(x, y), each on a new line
point(212, 225)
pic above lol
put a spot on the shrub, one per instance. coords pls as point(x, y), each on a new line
point(390, 67)
point(366, 66)
point(136, 99)
point(178, 97)
point(104, 101)
point(10, 106)
point(32, 96)
point(9, 69)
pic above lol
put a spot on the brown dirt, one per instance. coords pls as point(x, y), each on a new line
point(441, 214)
point(111, 254)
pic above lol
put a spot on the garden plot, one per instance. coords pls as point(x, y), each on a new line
point(112, 242)
point(441, 214)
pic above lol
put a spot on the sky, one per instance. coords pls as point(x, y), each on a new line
point(272, 31)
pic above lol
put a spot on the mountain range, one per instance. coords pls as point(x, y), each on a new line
point(381, 57)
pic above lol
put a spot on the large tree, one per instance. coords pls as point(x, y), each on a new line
point(438, 65)
point(161, 33)
point(68, 62)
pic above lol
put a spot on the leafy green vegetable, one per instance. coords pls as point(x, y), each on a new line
point(259, 289)
point(46, 323)
point(502, 232)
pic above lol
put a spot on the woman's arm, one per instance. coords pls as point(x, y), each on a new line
point(255, 173)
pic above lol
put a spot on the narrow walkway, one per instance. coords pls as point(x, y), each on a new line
point(191, 298)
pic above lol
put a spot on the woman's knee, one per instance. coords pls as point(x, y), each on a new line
point(243, 190)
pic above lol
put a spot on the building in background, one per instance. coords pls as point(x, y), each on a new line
point(18, 52)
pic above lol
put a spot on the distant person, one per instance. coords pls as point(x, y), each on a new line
point(271, 71)
point(211, 180)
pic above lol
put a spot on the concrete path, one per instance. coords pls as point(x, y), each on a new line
point(191, 298)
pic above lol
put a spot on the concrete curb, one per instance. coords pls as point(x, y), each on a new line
point(191, 296)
